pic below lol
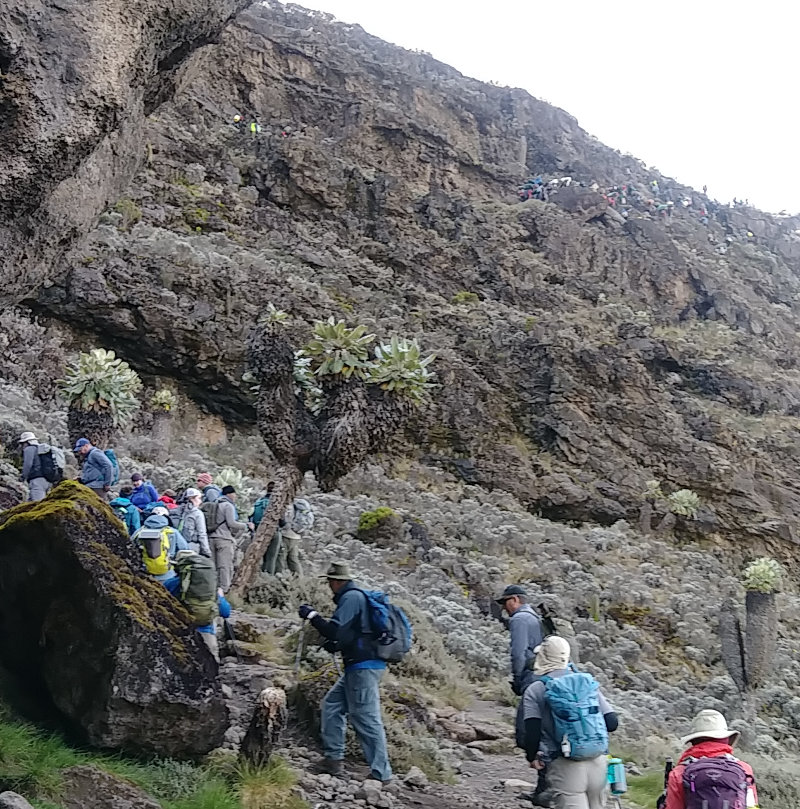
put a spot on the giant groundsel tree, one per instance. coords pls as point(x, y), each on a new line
point(100, 390)
point(325, 407)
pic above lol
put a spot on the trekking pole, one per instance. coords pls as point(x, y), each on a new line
point(232, 638)
point(299, 656)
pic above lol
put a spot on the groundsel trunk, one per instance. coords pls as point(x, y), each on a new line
point(287, 482)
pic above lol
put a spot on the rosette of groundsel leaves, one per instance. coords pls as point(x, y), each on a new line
point(100, 389)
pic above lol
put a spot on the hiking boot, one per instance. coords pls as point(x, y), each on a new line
point(332, 766)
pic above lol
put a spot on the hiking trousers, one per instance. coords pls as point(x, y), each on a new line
point(38, 488)
point(271, 561)
point(356, 694)
point(223, 550)
point(290, 556)
point(578, 784)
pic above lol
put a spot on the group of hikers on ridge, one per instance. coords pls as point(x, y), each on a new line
point(651, 201)
point(563, 718)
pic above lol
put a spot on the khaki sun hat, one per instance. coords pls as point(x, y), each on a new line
point(340, 571)
point(710, 724)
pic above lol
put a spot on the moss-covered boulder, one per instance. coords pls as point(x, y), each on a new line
point(382, 527)
point(84, 628)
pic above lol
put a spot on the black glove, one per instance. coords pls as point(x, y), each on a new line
point(331, 646)
point(306, 612)
point(281, 523)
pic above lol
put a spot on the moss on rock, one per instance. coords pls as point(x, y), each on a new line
point(112, 649)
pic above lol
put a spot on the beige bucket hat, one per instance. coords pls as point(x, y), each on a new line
point(710, 724)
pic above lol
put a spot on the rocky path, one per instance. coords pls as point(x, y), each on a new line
point(489, 772)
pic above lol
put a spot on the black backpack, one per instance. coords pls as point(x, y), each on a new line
point(51, 466)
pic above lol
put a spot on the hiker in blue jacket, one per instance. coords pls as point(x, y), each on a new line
point(144, 493)
point(97, 472)
point(356, 693)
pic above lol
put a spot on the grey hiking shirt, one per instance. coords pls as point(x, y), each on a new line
point(535, 707)
point(31, 466)
point(526, 634)
point(229, 527)
point(192, 524)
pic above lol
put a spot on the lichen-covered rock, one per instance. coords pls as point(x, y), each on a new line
point(88, 787)
point(78, 80)
point(84, 628)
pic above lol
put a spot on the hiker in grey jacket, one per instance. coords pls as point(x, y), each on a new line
point(192, 522)
point(223, 528)
point(525, 627)
point(38, 485)
point(97, 472)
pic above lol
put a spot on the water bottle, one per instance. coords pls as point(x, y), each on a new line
point(616, 776)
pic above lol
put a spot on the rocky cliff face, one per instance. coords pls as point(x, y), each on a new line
point(578, 356)
point(76, 83)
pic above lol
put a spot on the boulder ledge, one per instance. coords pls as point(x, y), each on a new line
point(84, 626)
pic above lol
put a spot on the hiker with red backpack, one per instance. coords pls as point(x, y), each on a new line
point(708, 775)
point(567, 722)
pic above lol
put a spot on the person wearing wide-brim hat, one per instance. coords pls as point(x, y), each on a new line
point(356, 693)
point(38, 484)
point(709, 749)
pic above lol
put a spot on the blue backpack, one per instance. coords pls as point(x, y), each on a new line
point(578, 722)
point(390, 624)
point(112, 456)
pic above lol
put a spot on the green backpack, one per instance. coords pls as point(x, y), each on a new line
point(198, 586)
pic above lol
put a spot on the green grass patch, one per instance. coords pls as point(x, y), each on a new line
point(643, 790)
point(32, 762)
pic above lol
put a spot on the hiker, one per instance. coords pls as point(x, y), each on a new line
point(525, 627)
point(160, 543)
point(199, 594)
point(356, 693)
point(190, 520)
point(97, 471)
point(32, 473)
point(260, 506)
point(210, 490)
point(208, 632)
point(298, 518)
point(271, 561)
point(223, 528)
point(168, 499)
point(707, 773)
point(144, 493)
point(128, 513)
point(572, 753)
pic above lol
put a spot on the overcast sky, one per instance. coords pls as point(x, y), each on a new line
point(706, 91)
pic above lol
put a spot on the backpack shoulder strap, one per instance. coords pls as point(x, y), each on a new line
point(366, 615)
